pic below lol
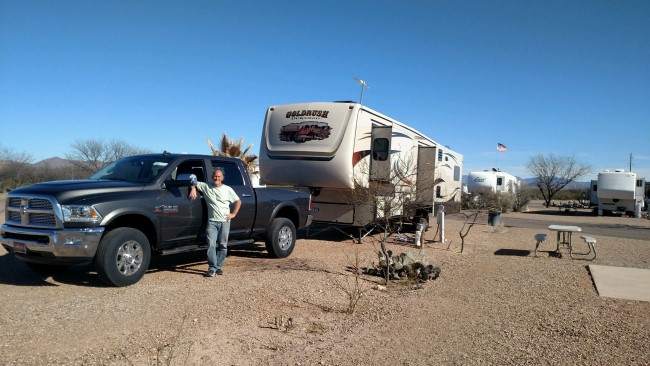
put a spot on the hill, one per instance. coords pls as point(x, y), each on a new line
point(53, 163)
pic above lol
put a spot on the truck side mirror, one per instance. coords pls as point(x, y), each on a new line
point(182, 180)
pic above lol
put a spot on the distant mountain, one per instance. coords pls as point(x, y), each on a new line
point(53, 163)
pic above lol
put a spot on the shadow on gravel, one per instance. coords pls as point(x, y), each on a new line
point(513, 252)
point(564, 212)
point(330, 233)
point(14, 272)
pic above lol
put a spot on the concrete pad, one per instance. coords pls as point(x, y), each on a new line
point(621, 282)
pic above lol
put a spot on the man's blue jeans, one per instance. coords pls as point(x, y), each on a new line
point(217, 243)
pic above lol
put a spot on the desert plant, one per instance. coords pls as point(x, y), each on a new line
point(485, 201)
point(168, 349)
point(282, 323)
point(405, 266)
point(355, 288)
point(521, 198)
point(230, 148)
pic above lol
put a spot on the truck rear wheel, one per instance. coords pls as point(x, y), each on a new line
point(281, 238)
point(123, 256)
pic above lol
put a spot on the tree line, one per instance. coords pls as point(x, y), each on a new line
point(85, 158)
point(552, 172)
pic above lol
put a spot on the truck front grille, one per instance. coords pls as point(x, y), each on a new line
point(41, 219)
point(30, 211)
point(40, 203)
point(13, 216)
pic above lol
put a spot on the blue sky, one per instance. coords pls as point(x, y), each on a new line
point(541, 77)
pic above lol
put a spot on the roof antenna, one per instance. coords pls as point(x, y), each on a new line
point(363, 86)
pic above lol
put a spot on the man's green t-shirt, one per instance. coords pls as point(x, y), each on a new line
point(218, 200)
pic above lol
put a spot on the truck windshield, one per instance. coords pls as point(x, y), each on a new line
point(136, 169)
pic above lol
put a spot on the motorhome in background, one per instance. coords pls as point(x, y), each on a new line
point(619, 192)
point(334, 147)
point(494, 180)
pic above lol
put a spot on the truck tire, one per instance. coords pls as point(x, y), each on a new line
point(281, 238)
point(123, 256)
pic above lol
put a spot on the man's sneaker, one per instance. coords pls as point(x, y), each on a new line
point(219, 272)
point(212, 272)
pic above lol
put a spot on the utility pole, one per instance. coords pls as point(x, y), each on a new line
point(630, 162)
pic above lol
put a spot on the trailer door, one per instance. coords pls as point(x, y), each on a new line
point(380, 153)
point(426, 174)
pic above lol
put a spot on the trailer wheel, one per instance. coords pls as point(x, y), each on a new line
point(123, 257)
point(281, 238)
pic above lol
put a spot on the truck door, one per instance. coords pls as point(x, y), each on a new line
point(240, 226)
point(380, 153)
point(181, 218)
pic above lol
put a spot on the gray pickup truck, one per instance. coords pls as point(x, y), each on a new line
point(139, 206)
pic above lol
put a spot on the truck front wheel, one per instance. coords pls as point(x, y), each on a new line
point(281, 238)
point(123, 256)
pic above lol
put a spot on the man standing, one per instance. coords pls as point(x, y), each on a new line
point(218, 197)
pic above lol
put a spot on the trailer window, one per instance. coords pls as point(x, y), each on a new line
point(380, 149)
point(639, 182)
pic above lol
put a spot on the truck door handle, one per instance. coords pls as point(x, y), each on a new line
point(246, 195)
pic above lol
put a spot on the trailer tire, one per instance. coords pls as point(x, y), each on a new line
point(123, 256)
point(281, 238)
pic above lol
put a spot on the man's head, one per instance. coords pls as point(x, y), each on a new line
point(217, 177)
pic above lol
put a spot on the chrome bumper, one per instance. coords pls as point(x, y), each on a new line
point(52, 245)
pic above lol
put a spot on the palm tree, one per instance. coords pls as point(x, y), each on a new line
point(228, 147)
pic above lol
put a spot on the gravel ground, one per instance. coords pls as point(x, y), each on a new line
point(493, 304)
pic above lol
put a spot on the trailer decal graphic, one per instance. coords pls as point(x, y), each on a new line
point(301, 132)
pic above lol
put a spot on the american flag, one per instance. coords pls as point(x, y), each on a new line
point(501, 147)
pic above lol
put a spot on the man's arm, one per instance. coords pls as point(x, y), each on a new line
point(234, 212)
point(193, 194)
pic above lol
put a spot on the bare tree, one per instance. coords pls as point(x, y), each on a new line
point(15, 168)
point(555, 172)
point(93, 154)
point(477, 205)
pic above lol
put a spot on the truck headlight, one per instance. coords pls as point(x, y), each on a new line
point(79, 213)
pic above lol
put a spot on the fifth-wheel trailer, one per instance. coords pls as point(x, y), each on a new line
point(333, 147)
point(618, 192)
point(495, 180)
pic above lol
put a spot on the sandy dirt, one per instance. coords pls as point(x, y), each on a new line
point(492, 304)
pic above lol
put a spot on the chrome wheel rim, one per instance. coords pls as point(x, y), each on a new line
point(285, 238)
point(129, 258)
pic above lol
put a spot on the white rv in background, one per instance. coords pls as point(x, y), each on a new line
point(334, 147)
point(496, 181)
point(619, 192)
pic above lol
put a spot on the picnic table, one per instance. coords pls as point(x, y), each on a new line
point(564, 233)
